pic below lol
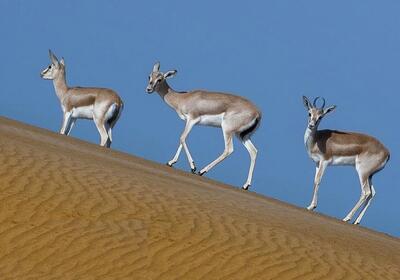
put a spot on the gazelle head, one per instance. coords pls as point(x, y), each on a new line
point(316, 114)
point(55, 69)
point(156, 78)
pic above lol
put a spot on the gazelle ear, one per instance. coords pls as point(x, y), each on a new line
point(329, 109)
point(170, 74)
point(306, 103)
point(53, 58)
point(62, 62)
point(156, 67)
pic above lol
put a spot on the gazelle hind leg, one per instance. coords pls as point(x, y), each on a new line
point(115, 112)
point(366, 205)
point(228, 137)
point(102, 131)
point(109, 134)
point(365, 194)
point(253, 155)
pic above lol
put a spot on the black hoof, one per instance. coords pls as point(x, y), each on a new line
point(170, 165)
point(194, 170)
point(246, 187)
point(201, 173)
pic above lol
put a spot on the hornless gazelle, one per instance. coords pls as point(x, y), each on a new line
point(102, 105)
point(331, 147)
point(234, 114)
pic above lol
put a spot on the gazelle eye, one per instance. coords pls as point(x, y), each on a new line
point(309, 114)
point(49, 66)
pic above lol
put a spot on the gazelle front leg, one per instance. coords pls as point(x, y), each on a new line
point(182, 144)
point(70, 126)
point(319, 172)
point(176, 157)
point(66, 123)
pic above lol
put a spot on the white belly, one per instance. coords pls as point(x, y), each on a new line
point(350, 160)
point(84, 112)
point(211, 120)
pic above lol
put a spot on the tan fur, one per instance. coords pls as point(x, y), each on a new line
point(81, 96)
point(200, 102)
point(234, 114)
point(338, 143)
point(332, 147)
point(76, 100)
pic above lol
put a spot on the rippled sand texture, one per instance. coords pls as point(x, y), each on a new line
point(73, 210)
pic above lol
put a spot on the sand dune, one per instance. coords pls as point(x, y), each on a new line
point(74, 210)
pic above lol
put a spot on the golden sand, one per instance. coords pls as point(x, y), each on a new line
point(74, 210)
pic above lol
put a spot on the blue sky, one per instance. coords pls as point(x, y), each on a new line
point(271, 52)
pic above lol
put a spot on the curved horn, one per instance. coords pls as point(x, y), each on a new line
point(315, 102)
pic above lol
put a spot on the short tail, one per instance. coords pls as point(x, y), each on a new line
point(248, 131)
point(115, 114)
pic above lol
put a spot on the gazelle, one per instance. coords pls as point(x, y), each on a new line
point(331, 147)
point(102, 105)
point(234, 114)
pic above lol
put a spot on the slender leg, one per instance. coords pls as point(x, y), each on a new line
point(182, 144)
point(368, 202)
point(109, 132)
point(365, 194)
point(319, 172)
point(102, 130)
point(228, 137)
point(70, 126)
point(312, 207)
point(175, 159)
point(65, 124)
point(110, 125)
point(109, 135)
point(253, 155)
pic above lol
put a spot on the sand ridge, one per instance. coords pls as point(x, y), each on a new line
point(74, 210)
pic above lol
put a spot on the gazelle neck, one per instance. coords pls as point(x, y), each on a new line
point(168, 94)
point(60, 86)
point(309, 137)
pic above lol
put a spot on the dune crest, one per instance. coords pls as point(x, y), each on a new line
point(74, 210)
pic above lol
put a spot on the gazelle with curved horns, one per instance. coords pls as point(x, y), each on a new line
point(331, 147)
point(101, 105)
point(234, 114)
